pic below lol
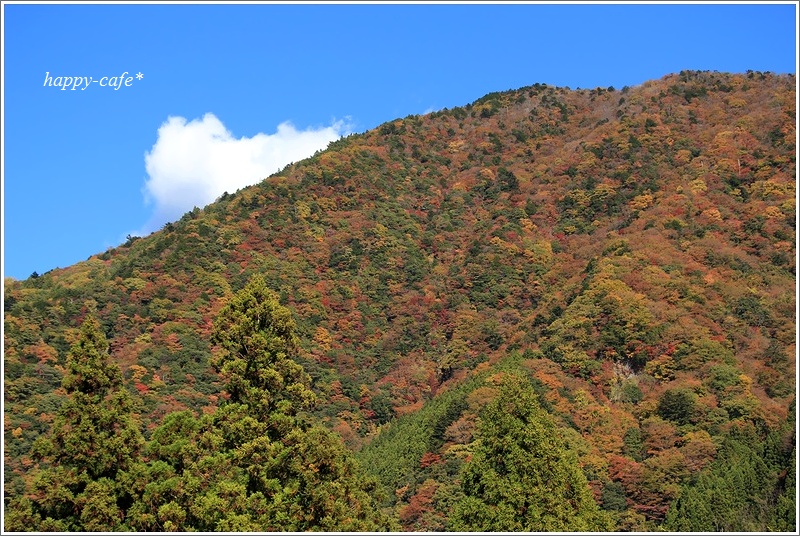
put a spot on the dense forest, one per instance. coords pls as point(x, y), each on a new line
point(547, 310)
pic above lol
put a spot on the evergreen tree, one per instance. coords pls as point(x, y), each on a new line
point(259, 463)
point(735, 493)
point(785, 513)
point(93, 438)
point(521, 476)
point(784, 460)
point(257, 346)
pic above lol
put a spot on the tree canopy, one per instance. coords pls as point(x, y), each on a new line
point(521, 476)
point(93, 439)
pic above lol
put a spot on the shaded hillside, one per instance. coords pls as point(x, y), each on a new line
point(634, 249)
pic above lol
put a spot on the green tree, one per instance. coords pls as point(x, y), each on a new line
point(732, 494)
point(784, 516)
point(92, 439)
point(521, 476)
point(257, 346)
point(259, 463)
point(677, 405)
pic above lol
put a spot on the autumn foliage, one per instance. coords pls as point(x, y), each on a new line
point(630, 253)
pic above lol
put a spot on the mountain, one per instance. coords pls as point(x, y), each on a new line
point(629, 252)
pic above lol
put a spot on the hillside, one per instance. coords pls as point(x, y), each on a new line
point(631, 252)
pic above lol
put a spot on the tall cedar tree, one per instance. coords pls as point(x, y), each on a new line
point(521, 477)
point(93, 438)
point(257, 343)
point(258, 463)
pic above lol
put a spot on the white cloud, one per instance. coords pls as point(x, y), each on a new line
point(193, 163)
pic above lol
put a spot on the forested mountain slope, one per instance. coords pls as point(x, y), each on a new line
point(629, 253)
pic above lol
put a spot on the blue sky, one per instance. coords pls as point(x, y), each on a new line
point(84, 168)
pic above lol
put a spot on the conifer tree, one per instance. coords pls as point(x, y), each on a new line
point(259, 463)
point(93, 438)
point(257, 347)
point(750, 487)
point(521, 477)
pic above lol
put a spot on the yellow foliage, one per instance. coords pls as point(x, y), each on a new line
point(582, 399)
point(683, 157)
point(504, 246)
point(527, 225)
point(302, 209)
point(144, 338)
point(486, 173)
point(712, 214)
point(137, 372)
point(588, 162)
point(769, 189)
point(323, 338)
point(326, 203)
point(697, 186)
point(134, 283)
point(641, 202)
point(456, 146)
point(661, 368)
point(773, 213)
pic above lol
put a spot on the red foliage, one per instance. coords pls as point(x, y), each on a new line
point(419, 504)
point(429, 458)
